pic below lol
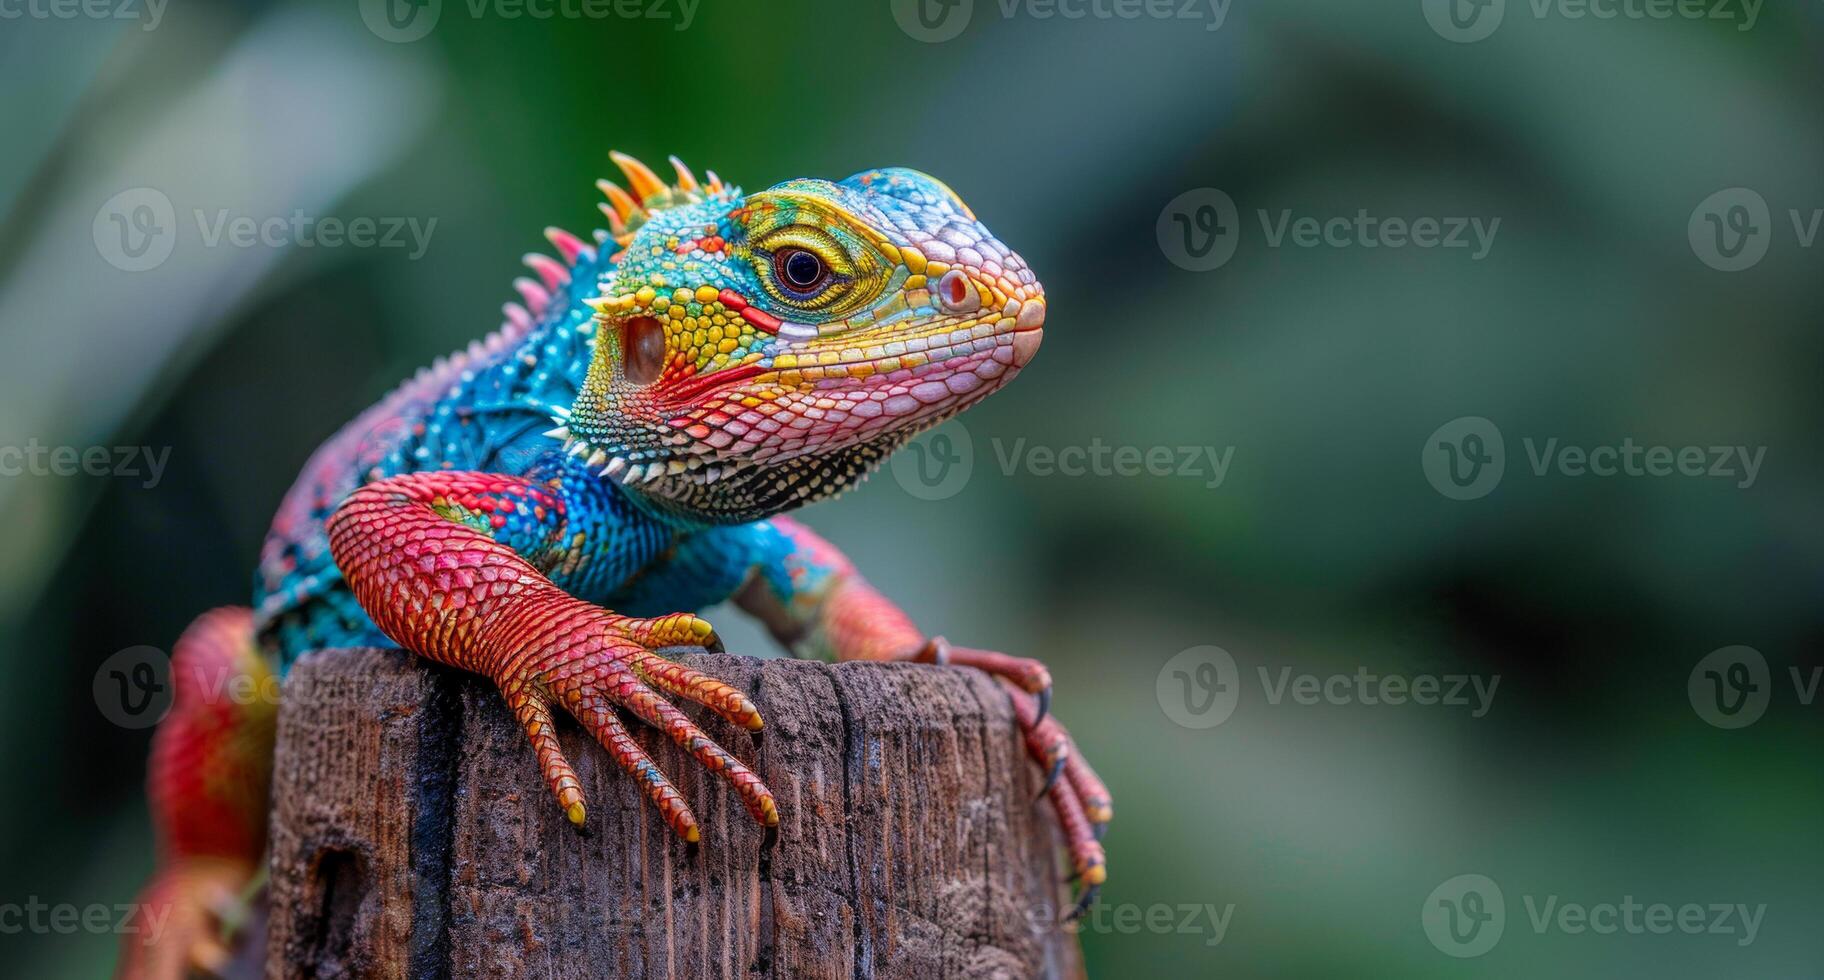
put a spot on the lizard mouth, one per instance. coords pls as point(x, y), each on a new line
point(815, 398)
point(1020, 326)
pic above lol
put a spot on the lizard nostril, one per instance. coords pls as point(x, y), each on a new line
point(957, 293)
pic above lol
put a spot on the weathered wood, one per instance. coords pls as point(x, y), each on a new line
point(413, 838)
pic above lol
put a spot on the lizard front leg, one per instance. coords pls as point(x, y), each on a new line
point(814, 602)
point(444, 563)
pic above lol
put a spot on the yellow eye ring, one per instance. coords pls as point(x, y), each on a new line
point(804, 266)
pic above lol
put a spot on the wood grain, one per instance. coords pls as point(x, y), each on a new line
point(413, 837)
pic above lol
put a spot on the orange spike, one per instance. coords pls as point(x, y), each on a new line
point(615, 224)
point(687, 181)
point(712, 182)
point(624, 205)
point(640, 177)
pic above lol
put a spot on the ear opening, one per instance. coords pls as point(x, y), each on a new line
point(642, 349)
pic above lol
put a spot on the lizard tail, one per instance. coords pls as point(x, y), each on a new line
point(208, 781)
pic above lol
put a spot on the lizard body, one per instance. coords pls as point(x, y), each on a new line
point(538, 507)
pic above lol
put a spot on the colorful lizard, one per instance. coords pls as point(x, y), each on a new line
point(713, 360)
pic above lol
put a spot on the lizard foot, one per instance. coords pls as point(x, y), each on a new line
point(1082, 802)
point(178, 927)
point(590, 661)
point(1026, 674)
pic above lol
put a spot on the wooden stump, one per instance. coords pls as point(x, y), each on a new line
point(413, 837)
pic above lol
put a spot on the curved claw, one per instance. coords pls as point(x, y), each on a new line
point(1051, 777)
point(1044, 699)
point(714, 644)
point(608, 664)
point(1088, 899)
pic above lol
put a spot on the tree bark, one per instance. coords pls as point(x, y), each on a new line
point(414, 838)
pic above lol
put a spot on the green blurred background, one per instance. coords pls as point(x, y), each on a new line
point(1593, 318)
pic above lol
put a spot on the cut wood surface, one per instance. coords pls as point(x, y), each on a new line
point(414, 838)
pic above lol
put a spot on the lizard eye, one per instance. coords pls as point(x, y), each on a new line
point(800, 271)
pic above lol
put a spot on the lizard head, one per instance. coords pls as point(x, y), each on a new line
point(755, 352)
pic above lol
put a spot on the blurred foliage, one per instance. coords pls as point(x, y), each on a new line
point(1324, 550)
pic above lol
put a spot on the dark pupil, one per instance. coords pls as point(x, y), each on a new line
point(802, 269)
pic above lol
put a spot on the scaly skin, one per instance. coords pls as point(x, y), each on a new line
point(712, 361)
